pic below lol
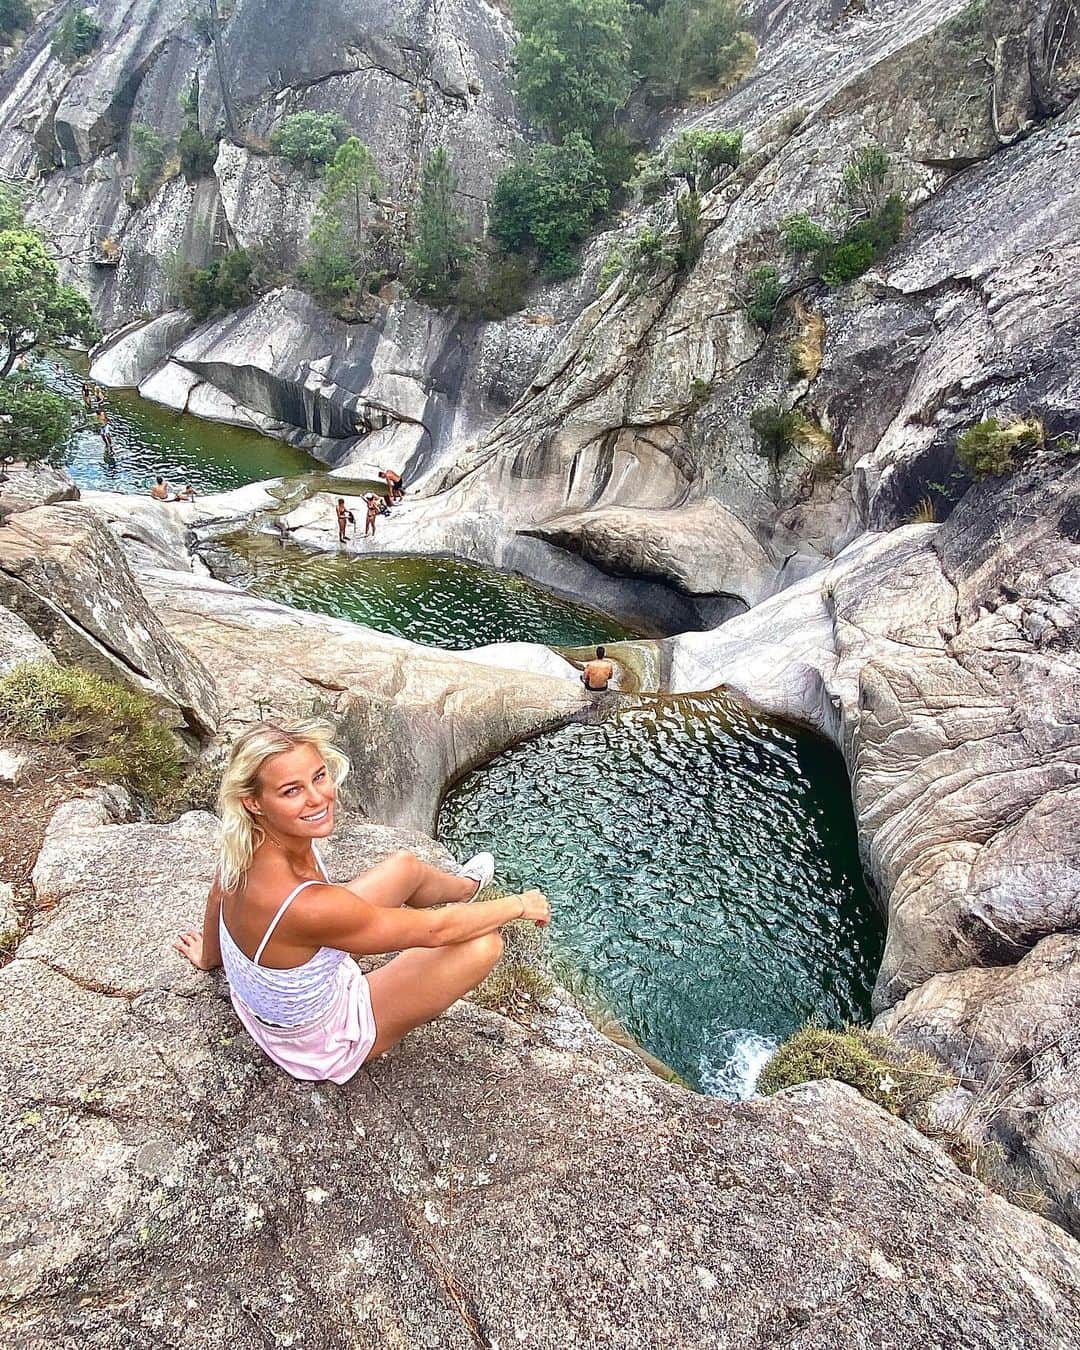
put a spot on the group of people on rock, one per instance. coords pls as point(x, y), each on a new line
point(375, 505)
point(161, 489)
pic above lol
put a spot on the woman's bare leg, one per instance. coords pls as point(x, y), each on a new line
point(404, 880)
point(418, 985)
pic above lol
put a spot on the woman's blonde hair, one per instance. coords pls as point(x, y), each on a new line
point(240, 834)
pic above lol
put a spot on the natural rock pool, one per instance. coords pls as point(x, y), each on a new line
point(149, 440)
point(439, 602)
point(703, 872)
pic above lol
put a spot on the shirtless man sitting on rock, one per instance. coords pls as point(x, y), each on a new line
point(597, 674)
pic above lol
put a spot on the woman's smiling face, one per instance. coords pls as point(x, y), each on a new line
point(296, 794)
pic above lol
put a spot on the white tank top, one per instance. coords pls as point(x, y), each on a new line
point(289, 997)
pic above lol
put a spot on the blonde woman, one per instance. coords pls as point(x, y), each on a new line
point(285, 933)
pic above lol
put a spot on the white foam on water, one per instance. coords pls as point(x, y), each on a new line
point(730, 1066)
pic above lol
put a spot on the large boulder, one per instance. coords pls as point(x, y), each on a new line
point(1012, 1036)
point(65, 575)
point(28, 485)
point(485, 1182)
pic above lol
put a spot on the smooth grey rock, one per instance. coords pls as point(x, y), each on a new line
point(1012, 1034)
point(19, 644)
point(62, 571)
point(481, 1171)
point(128, 355)
point(30, 485)
point(700, 547)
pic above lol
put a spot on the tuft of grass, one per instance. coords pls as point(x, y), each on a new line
point(115, 732)
point(522, 980)
point(808, 431)
point(900, 1080)
point(925, 512)
point(196, 791)
point(808, 349)
point(989, 448)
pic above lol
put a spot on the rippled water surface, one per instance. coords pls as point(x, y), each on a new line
point(703, 872)
point(149, 440)
point(437, 601)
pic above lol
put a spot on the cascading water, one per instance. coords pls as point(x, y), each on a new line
point(703, 871)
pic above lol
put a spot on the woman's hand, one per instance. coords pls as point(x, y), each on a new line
point(190, 944)
point(535, 908)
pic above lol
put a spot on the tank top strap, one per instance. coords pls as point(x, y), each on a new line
point(277, 917)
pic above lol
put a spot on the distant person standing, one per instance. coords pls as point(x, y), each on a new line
point(160, 490)
point(597, 674)
point(394, 484)
point(86, 396)
point(106, 436)
point(342, 519)
point(372, 504)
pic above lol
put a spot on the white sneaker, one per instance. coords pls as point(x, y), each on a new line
point(479, 868)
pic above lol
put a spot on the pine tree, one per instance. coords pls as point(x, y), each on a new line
point(438, 252)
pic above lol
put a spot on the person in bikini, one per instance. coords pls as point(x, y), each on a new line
point(342, 519)
point(286, 935)
point(371, 502)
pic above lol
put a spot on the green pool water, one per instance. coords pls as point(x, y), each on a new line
point(436, 601)
point(149, 440)
point(703, 873)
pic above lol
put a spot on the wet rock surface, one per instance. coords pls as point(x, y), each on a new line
point(483, 1183)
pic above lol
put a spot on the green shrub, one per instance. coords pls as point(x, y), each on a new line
point(548, 202)
point(648, 255)
point(865, 179)
point(150, 155)
point(76, 36)
point(765, 292)
point(610, 268)
point(799, 235)
point(35, 423)
point(571, 62)
point(989, 448)
point(700, 157)
point(493, 285)
point(15, 16)
point(875, 222)
point(11, 208)
point(113, 730)
point(198, 153)
point(776, 430)
point(310, 139)
point(229, 283)
point(690, 230)
point(885, 1072)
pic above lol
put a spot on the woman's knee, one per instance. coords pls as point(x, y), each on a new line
point(486, 950)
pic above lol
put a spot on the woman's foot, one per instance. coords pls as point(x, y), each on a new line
point(479, 868)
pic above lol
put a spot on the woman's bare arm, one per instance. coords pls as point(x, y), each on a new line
point(203, 949)
point(332, 916)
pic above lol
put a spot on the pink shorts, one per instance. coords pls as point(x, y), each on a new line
point(334, 1045)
